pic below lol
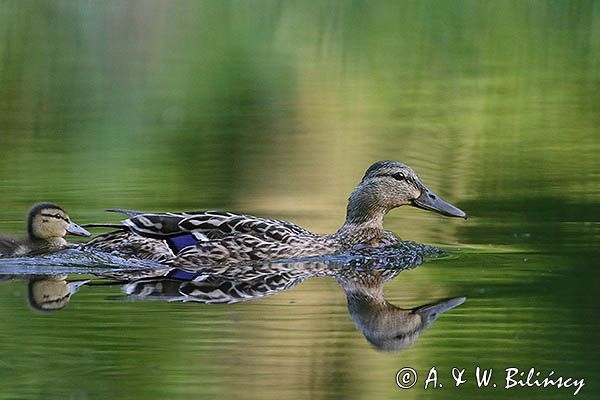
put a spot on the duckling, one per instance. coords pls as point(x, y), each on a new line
point(47, 224)
point(190, 239)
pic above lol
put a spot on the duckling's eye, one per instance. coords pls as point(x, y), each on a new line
point(399, 176)
point(57, 216)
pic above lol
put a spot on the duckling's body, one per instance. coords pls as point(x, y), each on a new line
point(21, 247)
point(47, 224)
point(191, 239)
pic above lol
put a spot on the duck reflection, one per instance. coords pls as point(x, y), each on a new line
point(386, 326)
point(223, 285)
point(361, 274)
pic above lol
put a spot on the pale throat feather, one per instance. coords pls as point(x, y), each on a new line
point(364, 217)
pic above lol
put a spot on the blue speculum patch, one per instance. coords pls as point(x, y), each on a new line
point(180, 242)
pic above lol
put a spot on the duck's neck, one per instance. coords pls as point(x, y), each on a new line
point(364, 218)
point(364, 287)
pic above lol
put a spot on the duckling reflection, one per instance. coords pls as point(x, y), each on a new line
point(52, 293)
point(386, 326)
point(47, 292)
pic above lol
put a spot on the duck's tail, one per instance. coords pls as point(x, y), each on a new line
point(116, 226)
point(129, 213)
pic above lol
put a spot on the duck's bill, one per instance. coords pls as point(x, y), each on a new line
point(74, 229)
point(431, 312)
point(432, 202)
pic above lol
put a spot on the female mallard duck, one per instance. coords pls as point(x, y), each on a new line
point(47, 224)
point(190, 239)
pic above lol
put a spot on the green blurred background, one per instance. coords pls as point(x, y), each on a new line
point(276, 108)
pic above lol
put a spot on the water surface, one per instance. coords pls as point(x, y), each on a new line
point(276, 109)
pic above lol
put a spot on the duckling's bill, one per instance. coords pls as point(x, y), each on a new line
point(74, 229)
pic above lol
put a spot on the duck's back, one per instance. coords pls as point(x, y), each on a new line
point(210, 237)
point(212, 225)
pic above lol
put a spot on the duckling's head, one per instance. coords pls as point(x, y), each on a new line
point(390, 184)
point(49, 222)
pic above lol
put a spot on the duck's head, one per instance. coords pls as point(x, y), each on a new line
point(390, 184)
point(390, 328)
point(49, 222)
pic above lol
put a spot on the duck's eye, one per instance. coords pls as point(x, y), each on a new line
point(57, 216)
point(399, 176)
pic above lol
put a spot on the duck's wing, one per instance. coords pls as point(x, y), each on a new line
point(209, 225)
point(233, 248)
point(214, 236)
point(248, 248)
point(129, 244)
